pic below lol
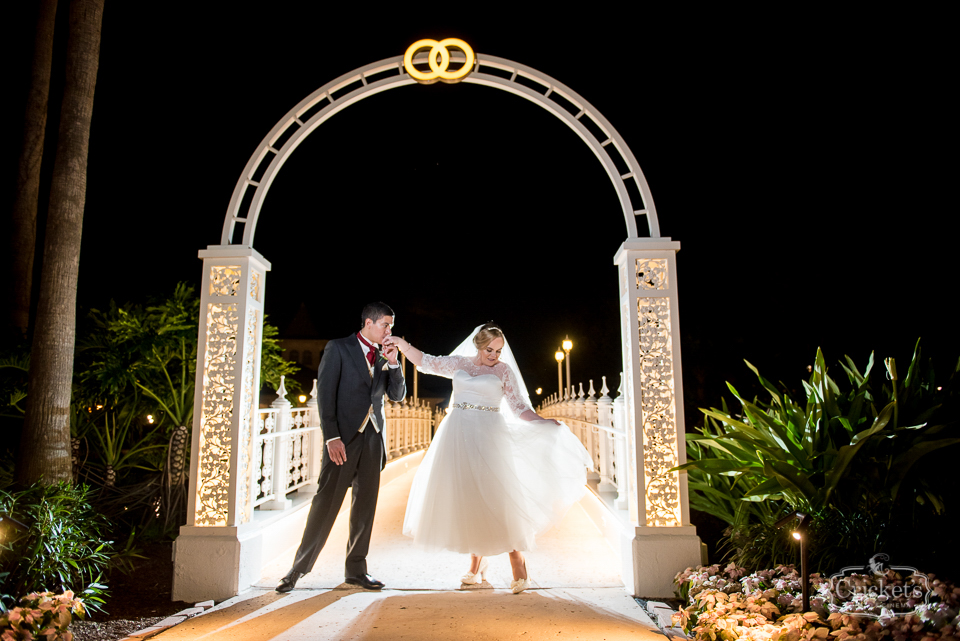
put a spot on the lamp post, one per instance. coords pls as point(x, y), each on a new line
point(567, 346)
point(800, 535)
point(559, 357)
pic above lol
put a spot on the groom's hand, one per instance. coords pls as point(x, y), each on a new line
point(338, 453)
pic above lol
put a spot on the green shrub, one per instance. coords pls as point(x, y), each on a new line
point(847, 454)
point(62, 548)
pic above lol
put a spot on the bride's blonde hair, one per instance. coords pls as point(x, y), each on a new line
point(486, 335)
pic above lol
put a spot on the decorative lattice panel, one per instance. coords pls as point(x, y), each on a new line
point(224, 280)
point(255, 286)
point(652, 273)
point(246, 424)
point(658, 410)
point(216, 441)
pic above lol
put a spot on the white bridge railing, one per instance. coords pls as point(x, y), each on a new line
point(288, 444)
point(599, 424)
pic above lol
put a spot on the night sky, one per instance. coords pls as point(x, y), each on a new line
point(802, 162)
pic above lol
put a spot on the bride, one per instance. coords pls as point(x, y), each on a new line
point(489, 482)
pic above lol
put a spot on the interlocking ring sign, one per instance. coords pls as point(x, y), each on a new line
point(439, 61)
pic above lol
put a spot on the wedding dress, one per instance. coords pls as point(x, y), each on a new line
point(490, 483)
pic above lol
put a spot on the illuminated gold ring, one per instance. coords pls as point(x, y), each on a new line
point(438, 68)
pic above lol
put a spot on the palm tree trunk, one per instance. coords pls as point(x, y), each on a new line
point(22, 235)
point(45, 443)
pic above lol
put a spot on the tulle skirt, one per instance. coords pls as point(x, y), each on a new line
point(487, 486)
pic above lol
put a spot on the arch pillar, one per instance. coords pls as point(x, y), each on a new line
point(218, 536)
point(661, 541)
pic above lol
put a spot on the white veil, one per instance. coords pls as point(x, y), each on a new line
point(469, 350)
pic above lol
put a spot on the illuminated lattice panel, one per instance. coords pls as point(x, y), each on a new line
point(244, 500)
point(658, 411)
point(225, 280)
point(216, 415)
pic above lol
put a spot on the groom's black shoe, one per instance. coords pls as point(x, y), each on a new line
point(288, 582)
point(365, 581)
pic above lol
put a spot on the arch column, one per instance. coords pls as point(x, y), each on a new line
point(225, 399)
point(662, 541)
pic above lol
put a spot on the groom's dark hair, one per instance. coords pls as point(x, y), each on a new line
point(375, 311)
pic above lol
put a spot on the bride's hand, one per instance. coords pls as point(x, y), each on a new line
point(530, 415)
point(390, 350)
point(395, 342)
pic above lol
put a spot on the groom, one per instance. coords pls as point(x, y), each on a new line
point(352, 379)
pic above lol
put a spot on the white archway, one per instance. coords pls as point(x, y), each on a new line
point(220, 511)
point(558, 99)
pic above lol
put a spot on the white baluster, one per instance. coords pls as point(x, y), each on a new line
point(620, 450)
point(314, 443)
point(281, 452)
point(390, 428)
point(605, 419)
point(590, 405)
point(407, 432)
point(589, 411)
point(578, 406)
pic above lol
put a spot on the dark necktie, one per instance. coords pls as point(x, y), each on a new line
point(372, 353)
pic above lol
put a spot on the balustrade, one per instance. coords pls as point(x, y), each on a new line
point(288, 444)
point(602, 431)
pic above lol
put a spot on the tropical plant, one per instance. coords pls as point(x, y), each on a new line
point(62, 545)
point(133, 409)
point(132, 350)
point(273, 365)
point(14, 366)
point(847, 454)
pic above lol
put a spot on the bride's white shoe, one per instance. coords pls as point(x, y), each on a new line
point(472, 578)
point(519, 585)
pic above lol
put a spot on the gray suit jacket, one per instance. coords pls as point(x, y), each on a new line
point(347, 391)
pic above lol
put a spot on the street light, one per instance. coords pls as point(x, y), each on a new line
point(559, 357)
point(567, 346)
point(800, 535)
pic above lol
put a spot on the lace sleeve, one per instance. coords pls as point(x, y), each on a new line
point(440, 365)
point(518, 404)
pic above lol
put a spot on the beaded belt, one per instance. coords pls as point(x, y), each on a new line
point(470, 406)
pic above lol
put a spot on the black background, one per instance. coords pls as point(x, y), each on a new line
point(801, 159)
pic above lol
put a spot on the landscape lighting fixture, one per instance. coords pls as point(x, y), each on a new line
point(798, 534)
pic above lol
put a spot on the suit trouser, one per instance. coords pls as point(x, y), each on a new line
point(361, 471)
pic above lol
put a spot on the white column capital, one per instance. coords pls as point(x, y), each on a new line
point(234, 251)
point(645, 245)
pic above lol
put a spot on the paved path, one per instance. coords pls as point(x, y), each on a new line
point(578, 593)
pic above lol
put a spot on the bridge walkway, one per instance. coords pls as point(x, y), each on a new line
point(577, 591)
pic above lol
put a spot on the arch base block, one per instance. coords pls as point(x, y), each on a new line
point(654, 555)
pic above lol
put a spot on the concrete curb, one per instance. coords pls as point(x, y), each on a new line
point(169, 622)
point(662, 615)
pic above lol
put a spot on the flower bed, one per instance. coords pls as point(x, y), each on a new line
point(41, 614)
point(726, 604)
